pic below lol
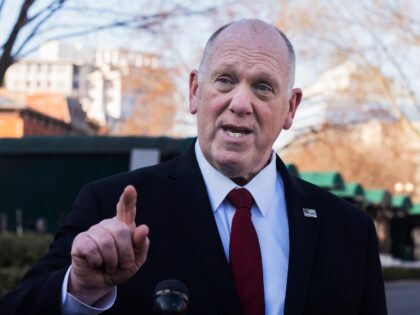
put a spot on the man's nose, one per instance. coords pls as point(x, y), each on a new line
point(241, 101)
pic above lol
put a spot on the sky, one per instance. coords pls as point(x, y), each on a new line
point(194, 28)
point(181, 40)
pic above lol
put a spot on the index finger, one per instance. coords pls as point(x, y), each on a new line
point(126, 206)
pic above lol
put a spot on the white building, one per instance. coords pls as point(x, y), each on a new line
point(104, 82)
point(77, 53)
point(57, 77)
point(61, 77)
point(104, 94)
point(123, 59)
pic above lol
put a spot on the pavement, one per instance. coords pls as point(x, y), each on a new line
point(403, 297)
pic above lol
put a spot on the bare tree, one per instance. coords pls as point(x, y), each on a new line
point(380, 37)
point(38, 22)
point(153, 112)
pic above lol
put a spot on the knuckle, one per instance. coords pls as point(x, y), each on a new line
point(93, 229)
point(91, 250)
point(107, 243)
point(122, 233)
point(107, 222)
point(118, 229)
point(79, 241)
point(79, 238)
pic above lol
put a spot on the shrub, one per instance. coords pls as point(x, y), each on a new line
point(401, 273)
point(21, 251)
point(9, 278)
point(17, 254)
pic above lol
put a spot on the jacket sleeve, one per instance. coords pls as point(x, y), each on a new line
point(39, 292)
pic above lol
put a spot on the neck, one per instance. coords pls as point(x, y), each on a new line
point(242, 181)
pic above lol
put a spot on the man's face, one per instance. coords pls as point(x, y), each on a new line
point(242, 100)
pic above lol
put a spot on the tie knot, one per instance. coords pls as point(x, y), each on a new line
point(240, 198)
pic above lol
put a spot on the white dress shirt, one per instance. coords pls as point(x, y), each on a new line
point(269, 217)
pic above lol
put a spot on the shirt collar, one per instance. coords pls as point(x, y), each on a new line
point(262, 186)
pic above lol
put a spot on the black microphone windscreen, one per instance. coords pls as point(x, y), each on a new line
point(171, 298)
point(171, 285)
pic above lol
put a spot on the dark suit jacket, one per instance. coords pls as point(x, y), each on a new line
point(334, 266)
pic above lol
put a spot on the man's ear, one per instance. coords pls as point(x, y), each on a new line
point(193, 91)
point(294, 101)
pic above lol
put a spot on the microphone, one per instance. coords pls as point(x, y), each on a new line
point(171, 298)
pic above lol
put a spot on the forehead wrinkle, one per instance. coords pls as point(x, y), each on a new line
point(247, 55)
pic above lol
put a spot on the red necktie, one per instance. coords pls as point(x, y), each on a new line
point(245, 255)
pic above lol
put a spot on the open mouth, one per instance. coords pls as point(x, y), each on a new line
point(236, 132)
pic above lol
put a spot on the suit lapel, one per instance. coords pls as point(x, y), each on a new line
point(303, 233)
point(191, 211)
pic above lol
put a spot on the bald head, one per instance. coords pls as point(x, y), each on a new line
point(256, 27)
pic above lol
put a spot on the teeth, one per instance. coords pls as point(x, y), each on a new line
point(234, 134)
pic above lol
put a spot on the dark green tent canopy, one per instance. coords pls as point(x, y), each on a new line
point(378, 197)
point(327, 180)
point(292, 168)
point(401, 202)
point(415, 209)
point(353, 191)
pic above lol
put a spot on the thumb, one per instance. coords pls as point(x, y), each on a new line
point(126, 206)
point(141, 244)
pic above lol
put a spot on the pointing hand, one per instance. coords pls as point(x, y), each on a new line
point(109, 253)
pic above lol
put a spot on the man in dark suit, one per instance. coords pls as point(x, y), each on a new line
point(314, 253)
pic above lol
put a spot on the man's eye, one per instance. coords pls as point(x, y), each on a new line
point(224, 80)
point(263, 87)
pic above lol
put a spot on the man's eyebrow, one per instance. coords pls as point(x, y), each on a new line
point(264, 76)
point(225, 67)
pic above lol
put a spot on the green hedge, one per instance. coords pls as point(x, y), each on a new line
point(9, 278)
point(401, 273)
point(17, 254)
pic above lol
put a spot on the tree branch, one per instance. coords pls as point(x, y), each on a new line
point(142, 22)
point(6, 58)
point(35, 29)
point(52, 6)
point(398, 68)
point(2, 4)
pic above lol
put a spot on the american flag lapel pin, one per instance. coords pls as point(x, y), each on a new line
point(310, 213)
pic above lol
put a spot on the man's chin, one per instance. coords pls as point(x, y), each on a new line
point(229, 162)
point(231, 167)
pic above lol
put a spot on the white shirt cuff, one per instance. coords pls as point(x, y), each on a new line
point(72, 305)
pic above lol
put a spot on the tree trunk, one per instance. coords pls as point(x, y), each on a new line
point(7, 57)
point(6, 60)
